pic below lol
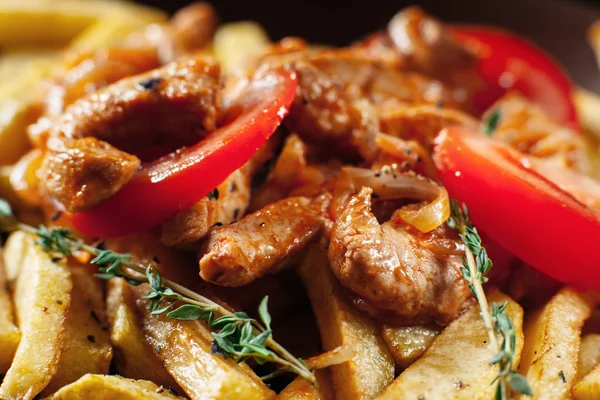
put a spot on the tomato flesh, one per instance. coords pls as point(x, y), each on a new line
point(520, 209)
point(508, 62)
point(179, 179)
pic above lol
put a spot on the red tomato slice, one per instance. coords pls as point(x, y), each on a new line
point(508, 62)
point(518, 208)
point(178, 180)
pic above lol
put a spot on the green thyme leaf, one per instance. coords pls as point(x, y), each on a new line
point(187, 312)
point(491, 123)
point(263, 312)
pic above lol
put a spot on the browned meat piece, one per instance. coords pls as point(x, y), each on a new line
point(340, 95)
point(163, 109)
point(87, 170)
point(262, 242)
point(190, 31)
point(427, 45)
point(194, 26)
point(84, 74)
point(227, 203)
point(393, 270)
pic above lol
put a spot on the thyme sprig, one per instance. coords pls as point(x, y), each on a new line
point(476, 264)
point(236, 335)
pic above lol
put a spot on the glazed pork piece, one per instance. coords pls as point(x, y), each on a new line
point(163, 109)
point(392, 271)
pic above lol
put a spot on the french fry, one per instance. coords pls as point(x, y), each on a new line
point(15, 251)
point(184, 349)
point(589, 354)
point(371, 370)
point(58, 22)
point(42, 296)
point(552, 338)
point(109, 31)
point(588, 388)
point(86, 348)
point(456, 365)
point(133, 356)
point(408, 343)
point(235, 42)
point(109, 387)
point(9, 333)
point(301, 389)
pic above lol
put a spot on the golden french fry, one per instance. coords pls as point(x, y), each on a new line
point(133, 356)
point(15, 251)
point(589, 354)
point(408, 343)
point(301, 389)
point(184, 348)
point(588, 388)
point(552, 337)
point(110, 31)
point(42, 295)
point(371, 369)
point(9, 333)
point(235, 42)
point(109, 387)
point(42, 22)
point(86, 348)
point(456, 365)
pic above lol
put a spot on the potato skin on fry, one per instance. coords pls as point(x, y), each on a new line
point(372, 368)
point(42, 296)
point(111, 387)
point(86, 345)
point(549, 360)
point(133, 356)
point(9, 333)
point(301, 389)
point(456, 366)
point(184, 349)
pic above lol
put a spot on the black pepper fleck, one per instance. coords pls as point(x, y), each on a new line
point(216, 224)
point(91, 339)
point(562, 376)
point(214, 195)
point(150, 84)
point(95, 316)
point(262, 224)
point(56, 215)
point(59, 302)
point(236, 213)
point(234, 187)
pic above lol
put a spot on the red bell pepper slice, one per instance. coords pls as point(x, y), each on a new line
point(508, 62)
point(518, 208)
point(178, 180)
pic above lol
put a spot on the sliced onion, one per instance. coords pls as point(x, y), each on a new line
point(388, 184)
point(429, 216)
point(339, 355)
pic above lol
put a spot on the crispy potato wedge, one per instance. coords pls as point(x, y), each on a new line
point(9, 333)
point(110, 387)
point(235, 42)
point(42, 296)
point(17, 106)
point(588, 388)
point(456, 365)
point(408, 343)
point(58, 22)
point(110, 31)
point(589, 354)
point(301, 389)
point(133, 356)
point(184, 348)
point(552, 338)
point(371, 370)
point(86, 348)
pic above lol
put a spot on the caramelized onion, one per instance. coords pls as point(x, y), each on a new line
point(339, 355)
point(388, 184)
